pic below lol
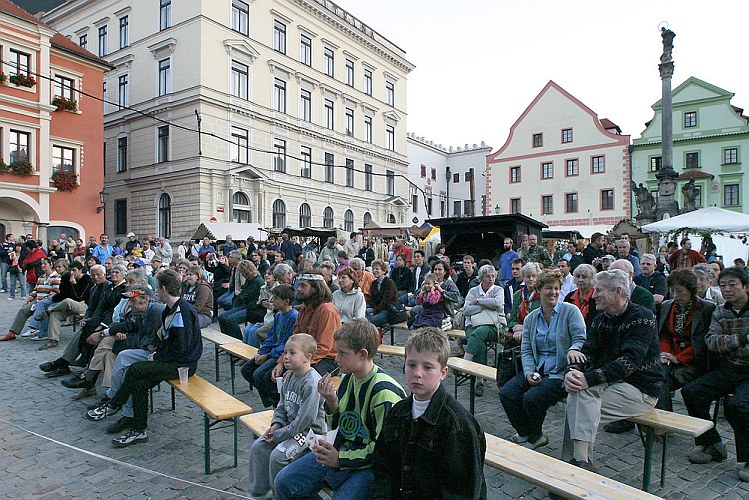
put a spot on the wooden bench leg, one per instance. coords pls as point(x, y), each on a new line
point(236, 420)
point(216, 351)
point(207, 443)
point(647, 436)
point(174, 406)
point(663, 459)
point(472, 382)
point(461, 379)
point(232, 362)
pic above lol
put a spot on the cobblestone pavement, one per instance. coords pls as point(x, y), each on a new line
point(49, 450)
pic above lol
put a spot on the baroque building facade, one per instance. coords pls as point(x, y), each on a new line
point(301, 109)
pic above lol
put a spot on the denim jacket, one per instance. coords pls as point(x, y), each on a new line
point(439, 455)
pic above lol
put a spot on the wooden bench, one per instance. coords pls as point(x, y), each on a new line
point(388, 328)
point(663, 423)
point(391, 350)
point(217, 339)
point(216, 405)
point(467, 372)
point(554, 475)
point(237, 351)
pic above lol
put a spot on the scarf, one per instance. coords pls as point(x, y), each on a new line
point(525, 305)
point(583, 302)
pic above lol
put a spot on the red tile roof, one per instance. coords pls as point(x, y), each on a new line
point(695, 174)
point(608, 124)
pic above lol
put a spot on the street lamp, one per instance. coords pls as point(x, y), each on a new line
point(103, 200)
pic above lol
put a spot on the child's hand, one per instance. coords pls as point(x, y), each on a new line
point(268, 435)
point(326, 454)
point(277, 372)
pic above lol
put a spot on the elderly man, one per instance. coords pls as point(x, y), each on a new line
point(638, 294)
point(537, 253)
point(228, 246)
point(651, 279)
point(365, 277)
point(623, 251)
point(617, 372)
point(685, 257)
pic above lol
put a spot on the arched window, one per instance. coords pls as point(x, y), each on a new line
point(305, 216)
point(241, 210)
point(348, 221)
point(391, 219)
point(279, 214)
point(327, 217)
point(165, 216)
point(367, 218)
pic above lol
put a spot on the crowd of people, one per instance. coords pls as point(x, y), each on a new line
point(612, 331)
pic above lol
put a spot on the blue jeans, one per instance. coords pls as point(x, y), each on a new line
point(4, 271)
point(249, 335)
point(304, 478)
point(42, 325)
point(229, 321)
point(259, 378)
point(378, 319)
point(406, 301)
point(121, 364)
point(225, 300)
point(526, 405)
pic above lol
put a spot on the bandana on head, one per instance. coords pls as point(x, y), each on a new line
point(312, 277)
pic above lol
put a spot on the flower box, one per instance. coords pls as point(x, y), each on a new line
point(18, 167)
point(63, 104)
point(22, 80)
point(65, 180)
point(3, 78)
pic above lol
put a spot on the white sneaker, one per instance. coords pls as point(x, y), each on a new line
point(31, 332)
point(10, 298)
point(38, 338)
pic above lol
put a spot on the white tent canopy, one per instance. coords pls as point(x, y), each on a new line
point(707, 219)
point(237, 230)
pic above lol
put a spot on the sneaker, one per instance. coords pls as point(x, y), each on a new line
point(518, 439)
point(708, 453)
point(102, 411)
point(58, 371)
point(132, 436)
point(11, 298)
point(744, 473)
point(8, 336)
point(619, 427)
point(583, 465)
point(479, 389)
point(31, 332)
point(37, 338)
point(103, 401)
point(122, 424)
point(543, 440)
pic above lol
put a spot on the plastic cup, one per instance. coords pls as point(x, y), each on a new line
point(183, 374)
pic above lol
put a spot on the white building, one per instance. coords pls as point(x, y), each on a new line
point(562, 165)
point(446, 182)
point(302, 109)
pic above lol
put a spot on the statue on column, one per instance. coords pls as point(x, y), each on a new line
point(689, 196)
point(643, 198)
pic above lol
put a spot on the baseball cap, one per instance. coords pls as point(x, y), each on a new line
point(140, 263)
point(139, 290)
point(130, 234)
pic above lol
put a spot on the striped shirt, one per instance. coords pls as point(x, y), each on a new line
point(727, 336)
point(46, 286)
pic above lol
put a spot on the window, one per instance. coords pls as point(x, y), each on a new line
point(279, 162)
point(348, 221)
point(390, 93)
point(349, 172)
point(163, 144)
point(598, 165)
point(690, 119)
point(456, 178)
point(572, 168)
point(457, 206)
point(368, 129)
point(64, 87)
point(19, 62)
point(306, 104)
point(656, 162)
point(329, 168)
point(240, 208)
point(165, 14)
point(329, 62)
point(429, 205)
point(570, 202)
point(305, 50)
point(731, 195)
point(414, 203)
point(279, 36)
point(730, 155)
point(279, 213)
point(120, 216)
point(434, 174)
point(515, 205)
point(566, 135)
point(692, 160)
point(350, 122)
point(305, 216)
point(390, 176)
point(239, 148)
point(391, 218)
point(468, 176)
point(83, 41)
point(122, 154)
point(368, 177)
point(547, 205)
point(329, 114)
point(104, 91)
point(538, 140)
point(240, 16)
point(280, 95)
point(239, 79)
point(165, 215)
point(698, 196)
point(390, 137)
point(349, 72)
point(165, 69)
point(306, 153)
point(367, 218)
point(63, 159)
point(124, 32)
point(547, 170)
point(607, 199)
point(368, 82)
point(122, 94)
point(443, 208)
point(19, 146)
point(102, 41)
point(327, 217)
point(514, 175)
point(423, 171)
point(656, 195)
point(468, 208)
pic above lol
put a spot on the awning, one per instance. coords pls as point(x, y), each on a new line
point(237, 230)
point(585, 231)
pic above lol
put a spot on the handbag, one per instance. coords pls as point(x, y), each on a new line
point(397, 313)
point(459, 320)
point(509, 364)
point(485, 317)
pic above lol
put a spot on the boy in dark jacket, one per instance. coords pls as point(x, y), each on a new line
point(430, 446)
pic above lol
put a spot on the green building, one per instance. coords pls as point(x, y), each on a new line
point(711, 137)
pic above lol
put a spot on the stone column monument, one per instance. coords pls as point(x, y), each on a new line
point(667, 206)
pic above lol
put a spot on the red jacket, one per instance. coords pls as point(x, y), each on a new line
point(30, 264)
point(694, 257)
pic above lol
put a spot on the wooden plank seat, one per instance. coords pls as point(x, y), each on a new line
point(217, 339)
point(387, 328)
point(237, 351)
point(217, 407)
point(554, 475)
point(663, 423)
point(468, 372)
point(391, 350)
